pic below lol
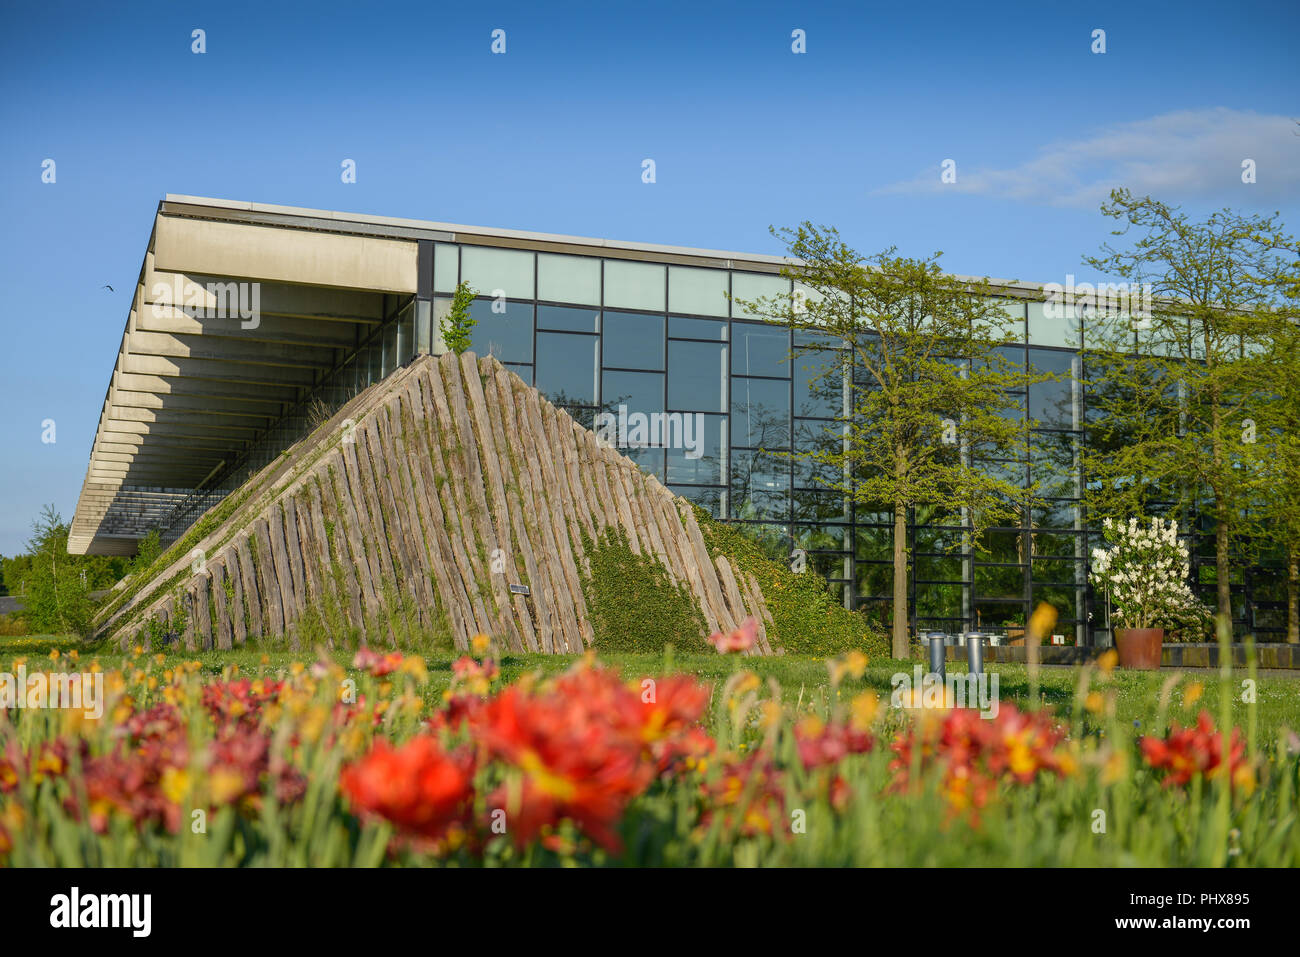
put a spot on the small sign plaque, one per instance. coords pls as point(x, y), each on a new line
point(519, 590)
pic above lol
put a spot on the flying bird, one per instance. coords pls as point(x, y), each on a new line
point(108, 287)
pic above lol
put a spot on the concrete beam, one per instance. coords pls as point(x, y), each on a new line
point(217, 371)
point(246, 251)
point(176, 403)
point(254, 394)
point(231, 350)
point(274, 329)
point(275, 299)
point(240, 420)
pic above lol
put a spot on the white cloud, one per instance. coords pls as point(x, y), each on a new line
point(1176, 156)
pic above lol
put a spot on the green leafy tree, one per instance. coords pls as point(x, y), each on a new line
point(147, 551)
point(1176, 395)
point(928, 408)
point(56, 592)
point(458, 324)
point(1279, 463)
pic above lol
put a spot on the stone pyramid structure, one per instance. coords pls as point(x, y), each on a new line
point(450, 497)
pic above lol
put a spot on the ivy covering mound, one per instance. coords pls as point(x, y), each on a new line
point(806, 618)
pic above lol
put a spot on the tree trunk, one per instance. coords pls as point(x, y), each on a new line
point(1221, 572)
point(1292, 595)
point(899, 643)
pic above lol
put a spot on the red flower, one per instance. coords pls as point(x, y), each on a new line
point(239, 702)
point(978, 753)
point(748, 798)
point(378, 665)
point(569, 761)
point(419, 787)
point(1187, 752)
point(826, 744)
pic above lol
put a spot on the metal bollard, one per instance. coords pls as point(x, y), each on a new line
point(975, 653)
point(937, 652)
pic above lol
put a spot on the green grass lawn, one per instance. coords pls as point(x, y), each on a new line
point(802, 679)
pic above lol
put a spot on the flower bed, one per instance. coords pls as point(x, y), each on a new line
point(321, 765)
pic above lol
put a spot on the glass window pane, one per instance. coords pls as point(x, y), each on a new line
point(752, 287)
point(760, 411)
point(710, 499)
point(834, 538)
point(504, 330)
point(1051, 464)
point(633, 340)
point(760, 350)
point(818, 384)
point(568, 278)
point(760, 486)
point(875, 542)
point(567, 366)
point(648, 460)
point(1013, 323)
point(681, 328)
point(568, 320)
point(632, 285)
point(1054, 324)
point(700, 459)
point(702, 291)
point(697, 376)
point(446, 267)
point(498, 272)
point(821, 505)
point(1054, 404)
point(638, 391)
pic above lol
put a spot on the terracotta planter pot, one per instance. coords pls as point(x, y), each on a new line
point(1139, 648)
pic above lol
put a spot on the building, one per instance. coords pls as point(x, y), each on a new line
point(250, 322)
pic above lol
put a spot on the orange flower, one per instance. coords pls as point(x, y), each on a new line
point(422, 789)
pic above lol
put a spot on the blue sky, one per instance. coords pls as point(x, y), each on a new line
point(551, 135)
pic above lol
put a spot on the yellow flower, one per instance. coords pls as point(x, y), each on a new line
point(1244, 778)
point(1192, 694)
point(266, 659)
point(863, 710)
point(414, 666)
point(296, 668)
point(748, 682)
point(54, 655)
point(480, 644)
point(1041, 621)
point(73, 654)
point(1094, 702)
point(137, 651)
point(175, 784)
point(1108, 660)
point(811, 726)
point(1114, 768)
point(226, 784)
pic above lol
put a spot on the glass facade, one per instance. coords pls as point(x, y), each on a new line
point(604, 335)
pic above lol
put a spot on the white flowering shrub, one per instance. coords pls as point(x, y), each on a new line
point(1145, 570)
